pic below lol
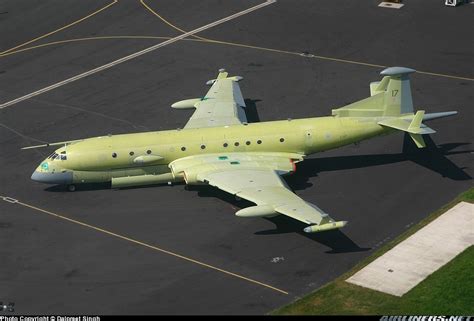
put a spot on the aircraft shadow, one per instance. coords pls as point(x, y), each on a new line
point(432, 157)
point(79, 187)
point(251, 110)
point(336, 240)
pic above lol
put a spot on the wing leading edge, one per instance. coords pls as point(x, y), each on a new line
point(256, 177)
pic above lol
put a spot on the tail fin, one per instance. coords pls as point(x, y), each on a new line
point(389, 97)
point(398, 99)
point(391, 103)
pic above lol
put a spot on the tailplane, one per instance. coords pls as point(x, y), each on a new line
point(411, 125)
point(391, 103)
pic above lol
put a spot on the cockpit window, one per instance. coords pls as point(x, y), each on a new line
point(52, 156)
point(55, 155)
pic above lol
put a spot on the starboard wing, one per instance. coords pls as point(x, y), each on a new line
point(256, 177)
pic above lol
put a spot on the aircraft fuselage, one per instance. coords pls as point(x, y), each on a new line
point(105, 158)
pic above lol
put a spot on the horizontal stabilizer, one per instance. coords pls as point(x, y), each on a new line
point(431, 116)
point(410, 124)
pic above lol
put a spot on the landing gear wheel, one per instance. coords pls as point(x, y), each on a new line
point(71, 188)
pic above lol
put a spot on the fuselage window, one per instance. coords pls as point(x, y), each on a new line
point(225, 145)
point(236, 144)
point(114, 155)
point(203, 146)
point(63, 157)
point(131, 153)
point(148, 152)
point(183, 148)
point(259, 141)
point(282, 140)
point(247, 142)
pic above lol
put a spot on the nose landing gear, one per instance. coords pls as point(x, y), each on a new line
point(71, 187)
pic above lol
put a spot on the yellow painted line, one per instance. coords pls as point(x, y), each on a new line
point(104, 231)
point(166, 21)
point(135, 55)
point(290, 52)
point(312, 56)
point(350, 61)
point(62, 28)
point(253, 47)
point(231, 44)
point(78, 40)
point(444, 75)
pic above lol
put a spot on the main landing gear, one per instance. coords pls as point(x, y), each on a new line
point(71, 187)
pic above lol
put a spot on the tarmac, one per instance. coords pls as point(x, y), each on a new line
point(168, 250)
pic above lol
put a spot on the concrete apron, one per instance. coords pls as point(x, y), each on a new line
point(410, 262)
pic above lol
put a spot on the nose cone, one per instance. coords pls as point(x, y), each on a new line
point(52, 178)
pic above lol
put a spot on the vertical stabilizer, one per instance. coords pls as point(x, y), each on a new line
point(389, 97)
point(398, 100)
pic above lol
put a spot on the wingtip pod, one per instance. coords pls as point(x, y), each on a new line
point(186, 104)
point(325, 227)
point(223, 74)
point(257, 211)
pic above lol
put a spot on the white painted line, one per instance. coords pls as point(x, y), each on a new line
point(9, 199)
point(391, 5)
point(410, 262)
point(134, 55)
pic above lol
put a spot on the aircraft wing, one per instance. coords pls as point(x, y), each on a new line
point(255, 177)
point(222, 105)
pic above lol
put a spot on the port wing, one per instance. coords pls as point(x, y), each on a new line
point(256, 177)
point(222, 105)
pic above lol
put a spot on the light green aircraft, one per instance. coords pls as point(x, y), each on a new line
point(218, 147)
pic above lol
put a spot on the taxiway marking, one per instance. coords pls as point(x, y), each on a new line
point(290, 52)
point(101, 230)
point(310, 56)
point(166, 21)
point(62, 28)
point(136, 54)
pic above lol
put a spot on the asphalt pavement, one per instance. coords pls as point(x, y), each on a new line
point(168, 250)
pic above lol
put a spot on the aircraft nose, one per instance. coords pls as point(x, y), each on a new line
point(52, 178)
